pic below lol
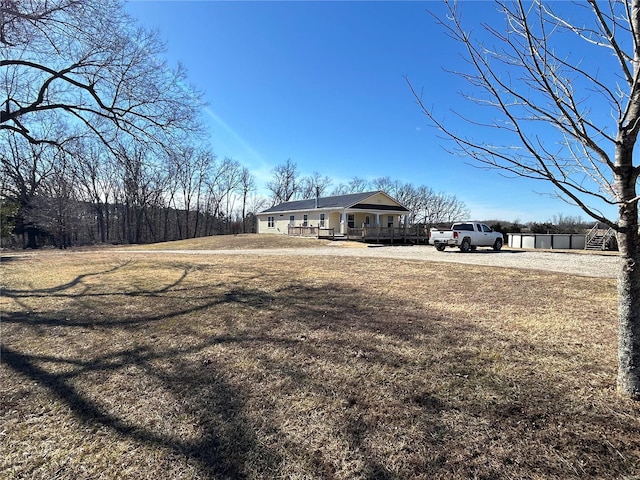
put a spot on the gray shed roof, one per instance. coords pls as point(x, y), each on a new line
point(340, 201)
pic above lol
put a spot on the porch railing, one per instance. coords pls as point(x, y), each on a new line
point(300, 231)
point(364, 233)
point(387, 233)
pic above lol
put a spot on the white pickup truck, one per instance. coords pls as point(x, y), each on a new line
point(467, 236)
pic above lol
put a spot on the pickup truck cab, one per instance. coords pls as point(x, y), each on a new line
point(467, 236)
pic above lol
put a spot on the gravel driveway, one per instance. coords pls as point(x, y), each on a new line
point(590, 265)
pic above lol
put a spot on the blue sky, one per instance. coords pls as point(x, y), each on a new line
point(323, 83)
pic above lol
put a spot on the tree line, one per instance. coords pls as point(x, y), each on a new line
point(89, 195)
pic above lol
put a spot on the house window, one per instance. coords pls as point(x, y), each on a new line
point(292, 220)
point(390, 221)
point(322, 220)
point(366, 220)
point(305, 219)
point(351, 221)
point(271, 222)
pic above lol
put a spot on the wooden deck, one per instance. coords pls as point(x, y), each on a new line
point(402, 235)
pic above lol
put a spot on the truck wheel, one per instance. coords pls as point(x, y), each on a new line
point(498, 245)
point(465, 246)
point(440, 248)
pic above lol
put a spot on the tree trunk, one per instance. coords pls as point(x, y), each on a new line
point(629, 274)
point(244, 211)
point(32, 235)
point(629, 304)
point(107, 220)
point(197, 220)
point(100, 220)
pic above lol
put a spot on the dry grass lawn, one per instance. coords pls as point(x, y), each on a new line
point(259, 367)
point(247, 241)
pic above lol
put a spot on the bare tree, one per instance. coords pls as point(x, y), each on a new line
point(341, 189)
point(96, 177)
point(56, 209)
point(425, 205)
point(25, 168)
point(231, 180)
point(314, 185)
point(441, 208)
point(405, 193)
point(358, 185)
point(354, 185)
point(247, 185)
point(563, 83)
point(285, 184)
point(568, 223)
point(142, 185)
point(385, 184)
point(190, 167)
point(256, 204)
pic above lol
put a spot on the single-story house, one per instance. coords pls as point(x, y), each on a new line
point(342, 215)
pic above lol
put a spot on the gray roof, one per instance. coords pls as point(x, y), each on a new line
point(340, 201)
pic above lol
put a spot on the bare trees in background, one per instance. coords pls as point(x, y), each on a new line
point(555, 86)
point(427, 206)
point(131, 197)
point(247, 186)
point(354, 185)
point(315, 185)
point(27, 169)
point(94, 121)
point(285, 184)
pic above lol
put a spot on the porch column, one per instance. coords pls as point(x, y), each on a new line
point(377, 219)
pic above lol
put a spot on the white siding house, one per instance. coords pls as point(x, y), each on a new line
point(333, 216)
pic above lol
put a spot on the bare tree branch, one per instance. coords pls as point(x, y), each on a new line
point(88, 60)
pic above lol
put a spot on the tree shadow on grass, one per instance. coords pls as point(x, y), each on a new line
point(226, 441)
point(479, 418)
point(12, 258)
point(325, 342)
